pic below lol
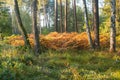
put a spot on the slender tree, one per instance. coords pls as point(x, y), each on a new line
point(61, 27)
point(96, 22)
point(35, 29)
point(45, 14)
point(21, 27)
point(113, 28)
point(65, 23)
point(75, 16)
point(118, 16)
point(87, 25)
point(92, 27)
point(56, 15)
point(39, 25)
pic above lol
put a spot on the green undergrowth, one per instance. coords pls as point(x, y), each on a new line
point(16, 64)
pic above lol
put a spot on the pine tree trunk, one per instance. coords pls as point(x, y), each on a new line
point(65, 23)
point(21, 27)
point(49, 21)
point(56, 15)
point(39, 26)
point(92, 27)
point(113, 28)
point(45, 14)
point(87, 25)
point(61, 27)
point(35, 29)
point(96, 23)
point(75, 16)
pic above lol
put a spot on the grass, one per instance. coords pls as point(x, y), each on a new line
point(16, 64)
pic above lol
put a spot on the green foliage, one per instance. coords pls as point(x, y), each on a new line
point(7, 75)
point(5, 21)
point(46, 31)
point(18, 64)
point(26, 19)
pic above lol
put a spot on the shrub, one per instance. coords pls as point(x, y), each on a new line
point(61, 41)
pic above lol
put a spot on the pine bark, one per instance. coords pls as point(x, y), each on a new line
point(92, 27)
point(113, 27)
point(75, 16)
point(35, 29)
point(96, 23)
point(61, 27)
point(56, 15)
point(87, 25)
point(65, 23)
point(21, 26)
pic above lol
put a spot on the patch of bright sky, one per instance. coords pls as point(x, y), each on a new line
point(89, 4)
point(80, 3)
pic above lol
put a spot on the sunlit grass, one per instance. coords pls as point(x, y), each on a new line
point(20, 64)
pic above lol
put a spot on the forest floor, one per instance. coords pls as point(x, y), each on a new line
point(19, 64)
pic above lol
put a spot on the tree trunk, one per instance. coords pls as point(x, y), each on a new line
point(113, 28)
point(75, 17)
point(96, 23)
point(56, 15)
point(117, 16)
point(87, 25)
point(61, 27)
point(35, 29)
point(39, 26)
point(21, 27)
point(49, 21)
point(65, 23)
point(92, 27)
point(45, 14)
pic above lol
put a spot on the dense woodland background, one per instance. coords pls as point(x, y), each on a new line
point(59, 39)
